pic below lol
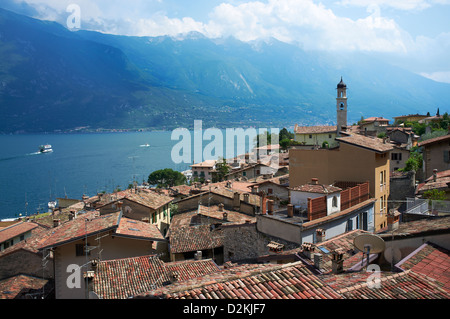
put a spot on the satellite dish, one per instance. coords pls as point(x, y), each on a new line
point(369, 242)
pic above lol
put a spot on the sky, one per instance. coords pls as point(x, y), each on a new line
point(414, 34)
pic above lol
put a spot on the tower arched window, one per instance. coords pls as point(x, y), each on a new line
point(341, 106)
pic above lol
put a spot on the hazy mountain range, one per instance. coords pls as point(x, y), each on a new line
point(54, 79)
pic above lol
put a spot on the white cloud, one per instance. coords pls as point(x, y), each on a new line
point(395, 4)
point(443, 76)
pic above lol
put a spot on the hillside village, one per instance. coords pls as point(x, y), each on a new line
point(290, 231)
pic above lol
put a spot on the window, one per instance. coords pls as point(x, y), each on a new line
point(447, 156)
point(349, 225)
point(269, 191)
point(310, 136)
point(334, 201)
point(22, 237)
point(396, 156)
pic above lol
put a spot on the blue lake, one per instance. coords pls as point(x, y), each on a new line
point(79, 164)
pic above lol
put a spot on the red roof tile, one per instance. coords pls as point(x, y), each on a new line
point(123, 278)
point(16, 230)
point(430, 260)
point(80, 227)
point(260, 282)
point(17, 286)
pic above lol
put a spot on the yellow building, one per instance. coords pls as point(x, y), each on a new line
point(357, 159)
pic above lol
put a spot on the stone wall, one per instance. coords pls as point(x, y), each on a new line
point(245, 242)
point(24, 262)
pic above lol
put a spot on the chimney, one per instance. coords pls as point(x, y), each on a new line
point(308, 250)
point(246, 196)
point(237, 200)
point(263, 202)
point(337, 261)
point(393, 218)
point(318, 259)
point(94, 264)
point(198, 255)
point(56, 222)
point(435, 175)
point(290, 210)
point(320, 235)
point(174, 276)
point(270, 207)
point(221, 207)
point(119, 205)
point(314, 181)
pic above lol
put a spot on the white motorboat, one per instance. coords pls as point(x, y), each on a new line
point(45, 148)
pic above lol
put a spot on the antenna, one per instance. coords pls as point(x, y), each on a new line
point(369, 243)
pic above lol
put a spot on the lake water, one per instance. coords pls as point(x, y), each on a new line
point(79, 164)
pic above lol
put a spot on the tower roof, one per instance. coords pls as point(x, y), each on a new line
point(341, 84)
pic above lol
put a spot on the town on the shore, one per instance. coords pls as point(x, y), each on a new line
point(351, 211)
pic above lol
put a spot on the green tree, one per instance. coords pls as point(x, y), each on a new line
point(222, 169)
point(434, 194)
point(285, 134)
point(166, 177)
point(414, 162)
point(285, 143)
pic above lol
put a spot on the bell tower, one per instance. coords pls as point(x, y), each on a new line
point(341, 106)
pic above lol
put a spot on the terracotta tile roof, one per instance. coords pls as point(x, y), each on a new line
point(193, 238)
point(81, 227)
point(404, 285)
point(230, 185)
point(207, 163)
point(143, 197)
point(374, 119)
point(371, 143)
point(188, 269)
point(434, 140)
point(282, 180)
point(430, 260)
point(16, 287)
point(435, 225)
point(289, 281)
point(208, 215)
point(351, 255)
point(314, 129)
point(180, 189)
point(123, 278)
point(15, 230)
point(316, 188)
point(32, 243)
point(149, 199)
point(138, 229)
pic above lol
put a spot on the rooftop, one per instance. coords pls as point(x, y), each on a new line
point(15, 230)
point(434, 225)
point(315, 187)
point(434, 140)
point(18, 286)
point(430, 260)
point(314, 129)
point(126, 277)
point(80, 227)
point(289, 281)
point(371, 143)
